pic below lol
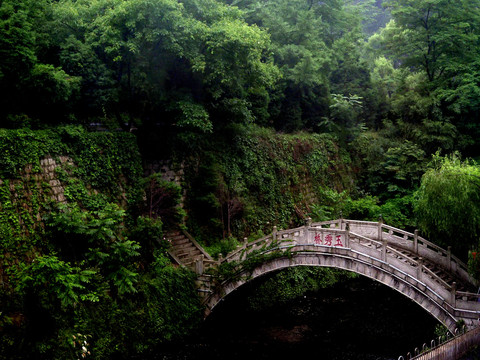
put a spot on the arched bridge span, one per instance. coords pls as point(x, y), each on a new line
point(427, 274)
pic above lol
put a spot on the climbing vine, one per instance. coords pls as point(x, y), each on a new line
point(234, 270)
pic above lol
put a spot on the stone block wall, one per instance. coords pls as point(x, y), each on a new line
point(49, 175)
point(169, 171)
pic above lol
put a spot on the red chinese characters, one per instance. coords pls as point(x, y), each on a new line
point(328, 239)
point(339, 241)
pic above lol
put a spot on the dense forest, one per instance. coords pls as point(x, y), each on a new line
point(276, 111)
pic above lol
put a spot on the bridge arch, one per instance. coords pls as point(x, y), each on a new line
point(405, 285)
point(377, 255)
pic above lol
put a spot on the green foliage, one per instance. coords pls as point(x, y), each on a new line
point(54, 281)
point(164, 309)
point(316, 46)
point(344, 117)
point(405, 164)
point(162, 200)
point(97, 238)
point(22, 147)
point(193, 116)
point(396, 211)
point(127, 52)
point(474, 264)
point(75, 268)
point(148, 232)
point(291, 283)
point(442, 332)
point(438, 42)
point(391, 167)
point(222, 247)
point(232, 270)
point(447, 203)
point(29, 86)
point(399, 212)
point(331, 205)
point(102, 158)
point(436, 35)
point(265, 180)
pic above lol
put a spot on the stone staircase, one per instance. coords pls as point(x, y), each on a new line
point(185, 250)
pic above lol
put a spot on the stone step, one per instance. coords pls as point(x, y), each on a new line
point(184, 254)
point(189, 261)
point(186, 249)
point(184, 257)
point(177, 237)
point(181, 242)
point(184, 245)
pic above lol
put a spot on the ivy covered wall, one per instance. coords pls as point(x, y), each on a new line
point(83, 268)
point(255, 179)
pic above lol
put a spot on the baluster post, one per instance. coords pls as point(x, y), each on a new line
point(384, 250)
point(449, 258)
point(274, 233)
point(380, 224)
point(415, 241)
point(199, 265)
point(419, 269)
point(453, 294)
point(244, 249)
point(347, 236)
point(308, 224)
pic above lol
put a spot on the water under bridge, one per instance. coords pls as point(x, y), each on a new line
point(427, 274)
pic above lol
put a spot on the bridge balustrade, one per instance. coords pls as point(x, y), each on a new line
point(413, 243)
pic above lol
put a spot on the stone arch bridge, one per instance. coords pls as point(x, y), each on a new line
point(430, 276)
